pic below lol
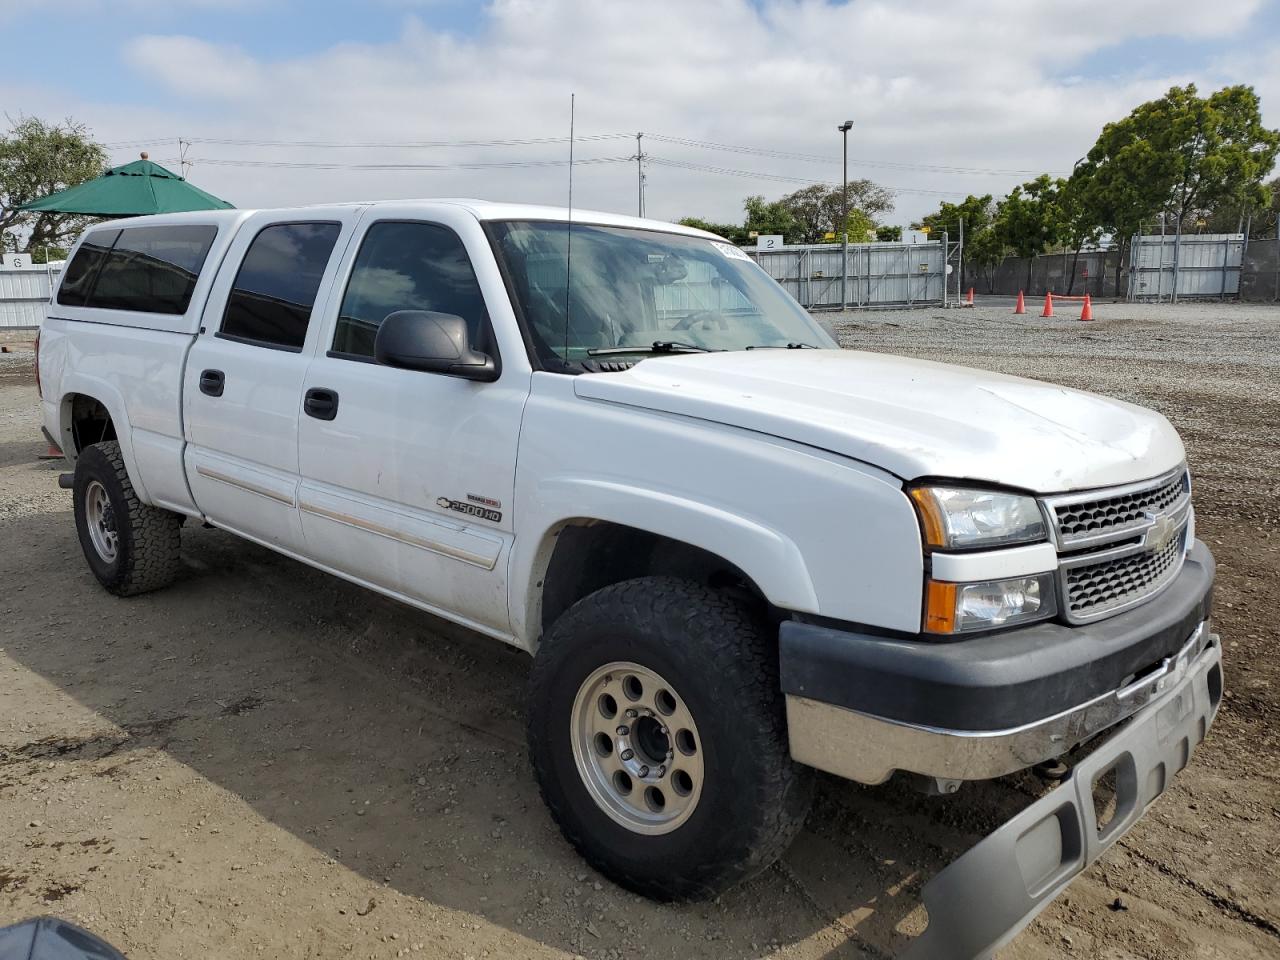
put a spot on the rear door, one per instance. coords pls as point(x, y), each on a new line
point(242, 391)
point(409, 485)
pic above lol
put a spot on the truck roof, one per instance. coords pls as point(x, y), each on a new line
point(480, 209)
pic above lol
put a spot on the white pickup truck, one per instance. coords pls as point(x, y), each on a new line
point(734, 551)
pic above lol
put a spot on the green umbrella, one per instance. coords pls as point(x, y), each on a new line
point(132, 190)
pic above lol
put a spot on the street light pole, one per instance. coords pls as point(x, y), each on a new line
point(844, 129)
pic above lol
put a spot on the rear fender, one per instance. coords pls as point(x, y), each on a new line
point(73, 384)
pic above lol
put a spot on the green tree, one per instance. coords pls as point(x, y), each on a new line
point(888, 234)
point(771, 218)
point(36, 159)
point(1182, 155)
point(976, 212)
point(46, 254)
point(860, 227)
point(1078, 220)
point(733, 234)
point(1260, 221)
point(1266, 222)
point(978, 215)
point(984, 250)
point(816, 209)
point(1029, 219)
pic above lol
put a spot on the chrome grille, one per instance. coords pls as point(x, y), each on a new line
point(1094, 589)
point(1120, 546)
point(1079, 521)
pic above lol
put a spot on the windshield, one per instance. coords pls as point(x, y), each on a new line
point(643, 291)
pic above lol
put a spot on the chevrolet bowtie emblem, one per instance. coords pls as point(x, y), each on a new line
point(1161, 532)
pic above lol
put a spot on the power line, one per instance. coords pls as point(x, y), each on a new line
point(780, 178)
point(321, 165)
point(812, 158)
point(371, 144)
point(535, 141)
point(640, 157)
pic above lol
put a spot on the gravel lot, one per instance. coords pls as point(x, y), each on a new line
point(265, 761)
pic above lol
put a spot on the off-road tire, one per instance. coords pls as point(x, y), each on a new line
point(149, 538)
point(717, 652)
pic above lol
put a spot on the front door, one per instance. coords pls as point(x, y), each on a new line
point(243, 385)
point(408, 486)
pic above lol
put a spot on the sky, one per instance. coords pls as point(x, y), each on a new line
point(283, 102)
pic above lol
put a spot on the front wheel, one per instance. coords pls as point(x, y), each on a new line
point(657, 733)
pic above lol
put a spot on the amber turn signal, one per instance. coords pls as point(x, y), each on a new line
point(931, 519)
point(940, 607)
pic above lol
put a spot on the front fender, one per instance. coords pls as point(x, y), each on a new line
point(772, 561)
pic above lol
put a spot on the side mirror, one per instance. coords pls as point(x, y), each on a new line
point(433, 342)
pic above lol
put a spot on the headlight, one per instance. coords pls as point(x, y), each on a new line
point(956, 518)
point(965, 607)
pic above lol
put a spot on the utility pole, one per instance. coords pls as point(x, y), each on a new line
point(844, 129)
point(639, 158)
point(183, 163)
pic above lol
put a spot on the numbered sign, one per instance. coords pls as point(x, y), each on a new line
point(17, 261)
point(769, 241)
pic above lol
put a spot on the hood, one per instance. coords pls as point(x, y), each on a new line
point(913, 418)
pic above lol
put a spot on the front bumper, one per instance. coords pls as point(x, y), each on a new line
point(863, 706)
point(981, 901)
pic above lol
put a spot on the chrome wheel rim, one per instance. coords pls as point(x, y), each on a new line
point(637, 748)
point(101, 521)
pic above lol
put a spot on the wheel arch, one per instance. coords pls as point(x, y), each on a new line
point(90, 411)
point(634, 533)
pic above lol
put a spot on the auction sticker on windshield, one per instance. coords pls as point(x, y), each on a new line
point(730, 251)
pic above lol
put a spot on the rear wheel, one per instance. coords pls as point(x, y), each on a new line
point(131, 548)
point(657, 733)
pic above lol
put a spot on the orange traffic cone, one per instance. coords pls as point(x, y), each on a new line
point(969, 298)
point(1022, 304)
point(1048, 305)
point(1086, 312)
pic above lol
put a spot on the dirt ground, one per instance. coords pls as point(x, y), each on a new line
point(266, 761)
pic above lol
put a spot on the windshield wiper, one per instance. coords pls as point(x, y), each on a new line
point(658, 346)
point(789, 346)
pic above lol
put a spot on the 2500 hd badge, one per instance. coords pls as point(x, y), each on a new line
point(470, 509)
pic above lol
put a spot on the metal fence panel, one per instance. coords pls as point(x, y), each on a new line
point(879, 273)
point(1196, 265)
point(24, 294)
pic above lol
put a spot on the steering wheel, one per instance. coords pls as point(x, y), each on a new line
point(704, 318)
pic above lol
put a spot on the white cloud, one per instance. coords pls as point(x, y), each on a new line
point(203, 70)
point(967, 83)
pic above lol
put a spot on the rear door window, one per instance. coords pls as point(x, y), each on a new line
point(275, 288)
point(153, 269)
point(82, 271)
